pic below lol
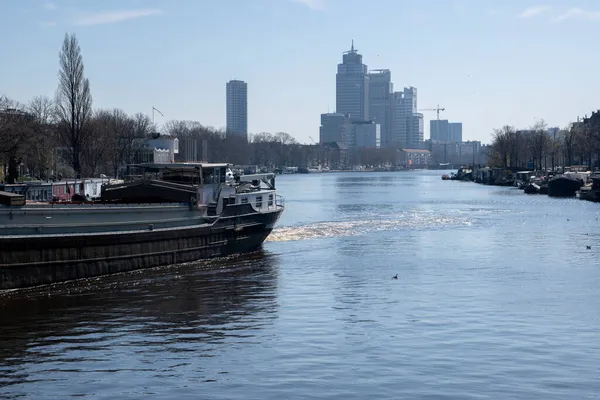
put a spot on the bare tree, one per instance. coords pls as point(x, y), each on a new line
point(518, 149)
point(43, 109)
point(15, 136)
point(143, 126)
point(98, 151)
point(569, 137)
point(501, 145)
point(73, 101)
point(123, 140)
point(538, 143)
point(41, 152)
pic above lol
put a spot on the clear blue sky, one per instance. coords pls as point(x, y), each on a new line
point(488, 62)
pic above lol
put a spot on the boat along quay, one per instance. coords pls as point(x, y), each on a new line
point(572, 182)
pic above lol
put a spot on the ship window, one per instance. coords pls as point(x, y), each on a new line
point(258, 201)
point(270, 200)
point(244, 200)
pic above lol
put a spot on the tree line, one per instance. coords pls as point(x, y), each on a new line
point(64, 136)
point(541, 148)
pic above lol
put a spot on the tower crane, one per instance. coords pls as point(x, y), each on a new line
point(438, 109)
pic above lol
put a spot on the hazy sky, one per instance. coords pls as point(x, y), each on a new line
point(488, 62)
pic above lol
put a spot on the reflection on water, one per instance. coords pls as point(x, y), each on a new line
point(84, 326)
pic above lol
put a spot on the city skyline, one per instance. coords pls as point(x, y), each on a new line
point(489, 63)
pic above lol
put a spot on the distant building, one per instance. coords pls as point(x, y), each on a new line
point(443, 131)
point(335, 128)
point(439, 131)
point(380, 102)
point(160, 150)
point(352, 86)
point(237, 108)
point(462, 153)
point(366, 134)
point(407, 123)
point(399, 134)
point(418, 131)
point(553, 131)
point(414, 158)
point(455, 132)
point(188, 150)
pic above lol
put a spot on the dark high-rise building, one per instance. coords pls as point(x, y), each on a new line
point(237, 108)
point(352, 86)
point(380, 102)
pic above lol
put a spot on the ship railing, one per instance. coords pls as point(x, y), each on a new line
point(279, 201)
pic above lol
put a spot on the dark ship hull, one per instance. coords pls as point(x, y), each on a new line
point(31, 260)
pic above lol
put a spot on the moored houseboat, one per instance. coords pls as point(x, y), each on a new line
point(564, 186)
point(590, 191)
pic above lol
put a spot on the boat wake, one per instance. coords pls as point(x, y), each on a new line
point(356, 228)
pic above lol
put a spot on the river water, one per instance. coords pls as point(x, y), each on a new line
point(497, 297)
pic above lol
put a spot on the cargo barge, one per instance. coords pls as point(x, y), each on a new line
point(170, 213)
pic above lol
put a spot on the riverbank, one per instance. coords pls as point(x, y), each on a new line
point(573, 182)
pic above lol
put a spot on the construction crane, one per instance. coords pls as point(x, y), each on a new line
point(438, 109)
point(312, 140)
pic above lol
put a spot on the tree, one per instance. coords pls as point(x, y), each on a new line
point(15, 135)
point(518, 150)
point(570, 142)
point(143, 126)
point(501, 145)
point(73, 101)
point(122, 139)
point(43, 110)
point(555, 145)
point(538, 143)
point(41, 154)
point(99, 148)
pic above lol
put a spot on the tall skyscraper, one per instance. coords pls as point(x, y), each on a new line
point(414, 135)
point(439, 131)
point(380, 102)
point(442, 131)
point(455, 132)
point(407, 123)
point(399, 121)
point(418, 131)
point(237, 108)
point(352, 86)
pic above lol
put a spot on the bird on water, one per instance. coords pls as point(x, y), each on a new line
point(395, 276)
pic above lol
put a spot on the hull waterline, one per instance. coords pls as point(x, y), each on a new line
point(32, 260)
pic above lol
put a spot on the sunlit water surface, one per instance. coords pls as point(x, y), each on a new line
point(497, 298)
